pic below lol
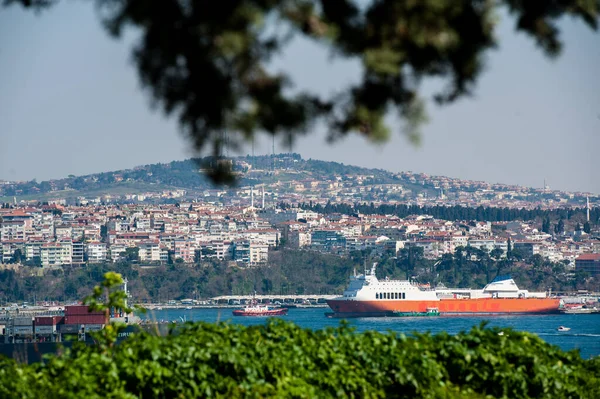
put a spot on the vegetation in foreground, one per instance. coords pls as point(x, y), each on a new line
point(280, 359)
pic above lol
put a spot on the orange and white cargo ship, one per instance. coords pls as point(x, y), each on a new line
point(366, 296)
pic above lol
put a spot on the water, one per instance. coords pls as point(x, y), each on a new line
point(584, 334)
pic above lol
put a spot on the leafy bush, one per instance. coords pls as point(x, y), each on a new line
point(280, 359)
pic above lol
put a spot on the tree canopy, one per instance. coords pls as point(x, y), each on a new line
point(206, 62)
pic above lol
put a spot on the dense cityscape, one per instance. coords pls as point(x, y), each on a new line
point(298, 204)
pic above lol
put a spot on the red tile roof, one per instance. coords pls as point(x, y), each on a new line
point(589, 257)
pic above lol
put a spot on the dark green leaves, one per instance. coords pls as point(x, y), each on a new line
point(283, 360)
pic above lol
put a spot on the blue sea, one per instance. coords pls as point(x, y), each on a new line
point(584, 334)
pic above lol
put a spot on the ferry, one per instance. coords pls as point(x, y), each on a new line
point(367, 296)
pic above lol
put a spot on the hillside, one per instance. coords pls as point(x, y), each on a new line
point(184, 174)
point(282, 172)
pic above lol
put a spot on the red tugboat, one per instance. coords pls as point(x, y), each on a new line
point(255, 309)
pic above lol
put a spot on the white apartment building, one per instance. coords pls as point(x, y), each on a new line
point(259, 253)
point(63, 231)
point(12, 230)
point(459, 241)
point(33, 248)
point(117, 251)
point(56, 253)
point(149, 251)
point(96, 252)
point(266, 236)
point(483, 244)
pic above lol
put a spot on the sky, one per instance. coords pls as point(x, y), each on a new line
point(71, 103)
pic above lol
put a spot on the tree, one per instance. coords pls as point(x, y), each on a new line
point(586, 227)
point(188, 49)
point(546, 225)
point(17, 256)
point(132, 254)
point(496, 253)
point(103, 232)
point(560, 226)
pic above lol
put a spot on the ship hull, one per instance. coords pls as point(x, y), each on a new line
point(446, 307)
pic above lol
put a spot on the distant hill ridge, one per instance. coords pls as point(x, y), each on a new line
point(186, 174)
point(183, 174)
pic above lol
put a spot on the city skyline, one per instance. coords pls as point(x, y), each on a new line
point(71, 104)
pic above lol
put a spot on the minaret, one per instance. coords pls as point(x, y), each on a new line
point(125, 290)
point(587, 206)
point(263, 199)
point(273, 165)
point(252, 197)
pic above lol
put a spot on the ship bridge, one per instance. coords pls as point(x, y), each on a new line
point(502, 284)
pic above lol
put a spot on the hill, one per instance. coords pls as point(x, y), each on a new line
point(282, 172)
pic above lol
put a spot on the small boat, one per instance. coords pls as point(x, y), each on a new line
point(188, 308)
point(255, 309)
point(563, 328)
point(580, 310)
point(428, 312)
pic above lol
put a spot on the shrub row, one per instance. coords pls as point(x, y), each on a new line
point(280, 359)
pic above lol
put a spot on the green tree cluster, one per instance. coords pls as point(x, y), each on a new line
point(457, 212)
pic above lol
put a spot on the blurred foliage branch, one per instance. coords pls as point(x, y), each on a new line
point(107, 296)
point(207, 61)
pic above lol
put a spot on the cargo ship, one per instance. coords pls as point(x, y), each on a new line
point(366, 296)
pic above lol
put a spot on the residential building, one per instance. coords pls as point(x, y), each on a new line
point(589, 263)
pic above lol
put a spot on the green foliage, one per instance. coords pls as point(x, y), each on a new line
point(456, 212)
point(114, 298)
point(282, 360)
point(132, 254)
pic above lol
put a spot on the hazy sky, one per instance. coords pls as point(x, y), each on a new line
point(70, 103)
